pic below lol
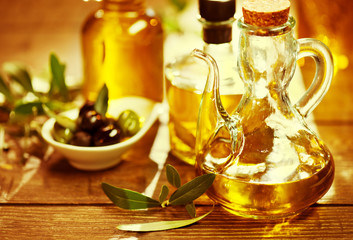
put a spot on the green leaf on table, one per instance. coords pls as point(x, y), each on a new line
point(101, 104)
point(192, 190)
point(58, 78)
point(164, 193)
point(173, 176)
point(128, 199)
point(18, 72)
point(64, 121)
point(160, 226)
point(4, 89)
point(190, 208)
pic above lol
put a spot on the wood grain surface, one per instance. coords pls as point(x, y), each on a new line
point(61, 202)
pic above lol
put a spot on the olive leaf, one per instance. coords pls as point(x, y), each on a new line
point(173, 176)
point(192, 190)
point(58, 77)
point(4, 89)
point(64, 121)
point(128, 199)
point(160, 226)
point(190, 208)
point(179, 4)
point(19, 73)
point(28, 108)
point(164, 193)
point(184, 195)
point(101, 104)
point(58, 106)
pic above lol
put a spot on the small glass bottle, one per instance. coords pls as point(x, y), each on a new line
point(268, 162)
point(186, 77)
point(122, 46)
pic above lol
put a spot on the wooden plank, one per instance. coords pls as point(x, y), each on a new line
point(99, 222)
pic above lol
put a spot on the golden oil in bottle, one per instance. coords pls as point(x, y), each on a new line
point(270, 200)
point(267, 161)
point(184, 102)
point(123, 47)
point(266, 184)
point(186, 77)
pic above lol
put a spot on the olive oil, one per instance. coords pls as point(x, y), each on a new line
point(186, 77)
point(279, 169)
point(183, 114)
point(267, 161)
point(270, 200)
point(123, 48)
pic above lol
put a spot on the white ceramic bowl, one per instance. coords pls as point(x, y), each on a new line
point(102, 157)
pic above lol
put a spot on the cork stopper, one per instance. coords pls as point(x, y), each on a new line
point(266, 13)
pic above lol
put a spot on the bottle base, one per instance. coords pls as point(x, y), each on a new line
point(264, 215)
point(270, 200)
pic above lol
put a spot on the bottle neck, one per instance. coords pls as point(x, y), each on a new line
point(225, 58)
point(219, 49)
point(217, 32)
point(123, 5)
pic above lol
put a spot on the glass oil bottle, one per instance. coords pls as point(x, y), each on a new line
point(268, 162)
point(186, 77)
point(122, 46)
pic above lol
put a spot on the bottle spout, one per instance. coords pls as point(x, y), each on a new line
point(212, 90)
point(212, 84)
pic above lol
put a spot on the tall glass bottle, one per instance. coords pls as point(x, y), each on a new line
point(186, 77)
point(123, 48)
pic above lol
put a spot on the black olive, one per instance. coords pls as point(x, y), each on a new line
point(108, 120)
point(94, 129)
point(107, 135)
point(90, 121)
point(88, 106)
point(81, 138)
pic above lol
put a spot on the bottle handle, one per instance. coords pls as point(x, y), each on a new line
point(322, 56)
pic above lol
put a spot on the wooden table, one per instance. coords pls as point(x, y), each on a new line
point(60, 202)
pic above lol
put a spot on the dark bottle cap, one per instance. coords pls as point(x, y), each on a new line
point(217, 34)
point(217, 10)
point(217, 17)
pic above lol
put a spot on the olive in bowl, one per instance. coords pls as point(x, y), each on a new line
point(92, 129)
point(108, 143)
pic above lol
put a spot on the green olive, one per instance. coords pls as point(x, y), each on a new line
point(129, 122)
point(62, 134)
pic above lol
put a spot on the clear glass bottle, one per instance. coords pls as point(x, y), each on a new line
point(268, 162)
point(122, 46)
point(186, 77)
